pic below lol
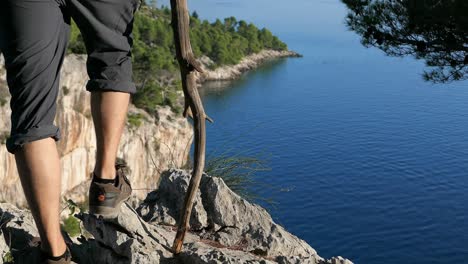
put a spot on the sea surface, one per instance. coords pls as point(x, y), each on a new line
point(368, 160)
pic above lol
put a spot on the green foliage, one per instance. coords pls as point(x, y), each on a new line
point(8, 257)
point(152, 94)
point(3, 137)
point(432, 30)
point(71, 225)
point(228, 41)
point(76, 44)
point(237, 172)
point(4, 93)
point(66, 90)
point(135, 119)
point(148, 97)
point(153, 51)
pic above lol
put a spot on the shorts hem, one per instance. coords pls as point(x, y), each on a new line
point(13, 143)
point(110, 85)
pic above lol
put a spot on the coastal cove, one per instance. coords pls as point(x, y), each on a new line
point(364, 135)
point(367, 159)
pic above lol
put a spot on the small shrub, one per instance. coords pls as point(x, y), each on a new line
point(148, 97)
point(65, 89)
point(3, 137)
point(237, 172)
point(88, 115)
point(71, 225)
point(135, 120)
point(4, 93)
point(8, 258)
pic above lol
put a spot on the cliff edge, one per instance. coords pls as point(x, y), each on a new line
point(225, 228)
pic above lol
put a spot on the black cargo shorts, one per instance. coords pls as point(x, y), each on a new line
point(33, 39)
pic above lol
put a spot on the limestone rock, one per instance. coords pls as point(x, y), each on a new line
point(19, 236)
point(14, 221)
point(247, 223)
point(338, 260)
point(129, 239)
point(230, 220)
point(298, 260)
point(163, 205)
point(3, 249)
point(199, 253)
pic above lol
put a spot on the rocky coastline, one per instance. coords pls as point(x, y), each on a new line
point(232, 72)
point(224, 228)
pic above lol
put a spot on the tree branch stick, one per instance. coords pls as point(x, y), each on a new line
point(193, 104)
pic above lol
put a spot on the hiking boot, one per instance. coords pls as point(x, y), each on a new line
point(65, 258)
point(105, 198)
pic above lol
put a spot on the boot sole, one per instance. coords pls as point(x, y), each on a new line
point(106, 212)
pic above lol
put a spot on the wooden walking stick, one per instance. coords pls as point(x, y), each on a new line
point(193, 104)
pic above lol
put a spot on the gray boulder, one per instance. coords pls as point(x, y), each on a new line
point(19, 237)
point(236, 221)
point(200, 253)
point(128, 239)
point(222, 216)
point(163, 206)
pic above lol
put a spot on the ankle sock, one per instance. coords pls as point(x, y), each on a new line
point(100, 180)
point(55, 258)
point(59, 257)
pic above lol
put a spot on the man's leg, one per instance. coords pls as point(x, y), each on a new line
point(39, 169)
point(109, 111)
point(34, 54)
point(107, 33)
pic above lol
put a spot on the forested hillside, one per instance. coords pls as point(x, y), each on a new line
point(225, 42)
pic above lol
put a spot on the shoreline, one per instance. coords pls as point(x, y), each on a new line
point(251, 62)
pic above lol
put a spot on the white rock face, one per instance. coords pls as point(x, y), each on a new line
point(17, 232)
point(155, 145)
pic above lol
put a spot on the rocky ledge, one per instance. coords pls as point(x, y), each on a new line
point(225, 228)
point(231, 72)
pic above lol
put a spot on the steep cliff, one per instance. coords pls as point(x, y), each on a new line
point(149, 145)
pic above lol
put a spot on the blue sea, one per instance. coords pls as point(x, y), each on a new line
point(368, 160)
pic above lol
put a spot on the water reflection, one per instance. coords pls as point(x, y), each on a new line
point(433, 30)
